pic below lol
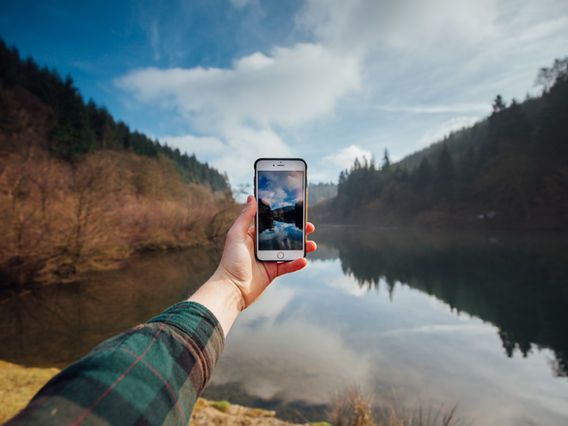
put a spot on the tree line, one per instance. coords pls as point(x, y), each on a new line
point(508, 168)
point(494, 282)
point(78, 128)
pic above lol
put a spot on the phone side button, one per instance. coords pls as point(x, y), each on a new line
point(279, 255)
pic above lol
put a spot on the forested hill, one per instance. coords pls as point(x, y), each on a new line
point(81, 192)
point(77, 128)
point(508, 170)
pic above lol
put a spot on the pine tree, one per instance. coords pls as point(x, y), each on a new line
point(385, 167)
point(445, 175)
point(498, 104)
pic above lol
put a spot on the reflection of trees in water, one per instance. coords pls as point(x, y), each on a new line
point(517, 286)
point(289, 214)
point(57, 324)
point(265, 217)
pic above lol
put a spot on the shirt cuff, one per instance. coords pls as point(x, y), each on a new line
point(198, 323)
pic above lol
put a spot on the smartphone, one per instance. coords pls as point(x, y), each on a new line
point(280, 190)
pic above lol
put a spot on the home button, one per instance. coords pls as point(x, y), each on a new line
point(279, 255)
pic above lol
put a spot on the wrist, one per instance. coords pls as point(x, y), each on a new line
point(231, 285)
point(222, 297)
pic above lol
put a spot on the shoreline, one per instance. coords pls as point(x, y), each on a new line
point(19, 384)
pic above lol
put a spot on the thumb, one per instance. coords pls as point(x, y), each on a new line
point(242, 223)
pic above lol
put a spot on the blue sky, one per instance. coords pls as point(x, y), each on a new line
point(326, 80)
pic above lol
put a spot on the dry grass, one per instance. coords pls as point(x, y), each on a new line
point(60, 220)
point(351, 408)
point(19, 385)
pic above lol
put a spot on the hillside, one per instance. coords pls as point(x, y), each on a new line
point(509, 170)
point(79, 191)
point(76, 128)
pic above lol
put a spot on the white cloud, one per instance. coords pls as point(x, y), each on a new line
point(403, 24)
point(242, 105)
point(234, 150)
point(435, 59)
point(436, 109)
point(289, 87)
point(244, 145)
point(202, 147)
point(344, 159)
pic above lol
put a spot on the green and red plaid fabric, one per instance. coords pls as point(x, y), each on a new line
point(151, 374)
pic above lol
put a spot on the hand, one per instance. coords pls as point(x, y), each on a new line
point(239, 265)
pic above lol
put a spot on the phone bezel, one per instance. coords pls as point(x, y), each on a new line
point(281, 164)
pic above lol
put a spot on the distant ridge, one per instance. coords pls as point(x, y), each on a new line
point(509, 170)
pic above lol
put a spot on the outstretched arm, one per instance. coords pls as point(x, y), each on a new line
point(240, 279)
point(153, 373)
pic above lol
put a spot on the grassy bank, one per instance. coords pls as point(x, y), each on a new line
point(61, 219)
point(19, 384)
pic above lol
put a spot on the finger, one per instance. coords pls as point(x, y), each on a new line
point(244, 220)
point(311, 246)
point(287, 267)
point(251, 231)
point(310, 227)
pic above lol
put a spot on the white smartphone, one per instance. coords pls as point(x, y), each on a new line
point(280, 187)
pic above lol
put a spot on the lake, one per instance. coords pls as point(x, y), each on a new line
point(410, 318)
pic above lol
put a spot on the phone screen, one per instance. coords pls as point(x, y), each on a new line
point(281, 210)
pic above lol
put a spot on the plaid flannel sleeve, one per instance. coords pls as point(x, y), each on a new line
point(151, 374)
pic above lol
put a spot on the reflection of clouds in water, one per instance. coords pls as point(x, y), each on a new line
point(348, 285)
point(315, 338)
point(438, 328)
point(292, 359)
point(420, 348)
point(274, 300)
point(284, 236)
point(270, 353)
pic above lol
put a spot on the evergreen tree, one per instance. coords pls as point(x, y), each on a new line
point(445, 175)
point(551, 135)
point(385, 167)
point(498, 104)
point(72, 136)
point(424, 174)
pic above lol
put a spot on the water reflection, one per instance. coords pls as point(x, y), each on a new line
point(415, 315)
point(517, 284)
point(468, 319)
point(55, 325)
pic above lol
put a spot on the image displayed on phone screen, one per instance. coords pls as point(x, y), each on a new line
point(280, 210)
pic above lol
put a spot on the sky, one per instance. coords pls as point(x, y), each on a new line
point(280, 189)
point(324, 80)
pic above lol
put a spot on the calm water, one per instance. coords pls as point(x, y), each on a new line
point(410, 318)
